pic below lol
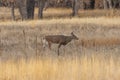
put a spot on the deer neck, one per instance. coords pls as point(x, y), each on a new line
point(71, 38)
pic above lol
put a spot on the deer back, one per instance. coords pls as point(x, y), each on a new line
point(54, 38)
point(60, 39)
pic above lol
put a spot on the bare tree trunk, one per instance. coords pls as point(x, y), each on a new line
point(46, 5)
point(82, 6)
point(26, 8)
point(105, 4)
point(0, 3)
point(92, 4)
point(116, 3)
point(110, 4)
point(75, 7)
point(119, 4)
point(22, 9)
point(41, 4)
point(23, 13)
point(12, 11)
point(30, 8)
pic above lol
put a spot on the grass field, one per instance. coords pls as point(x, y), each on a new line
point(57, 13)
point(84, 68)
point(95, 56)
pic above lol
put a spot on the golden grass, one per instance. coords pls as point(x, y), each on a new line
point(57, 13)
point(100, 42)
point(81, 26)
point(94, 33)
point(84, 68)
point(103, 21)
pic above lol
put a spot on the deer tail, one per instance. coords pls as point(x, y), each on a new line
point(44, 42)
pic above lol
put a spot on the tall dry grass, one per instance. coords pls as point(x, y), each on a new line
point(84, 68)
point(101, 35)
point(95, 56)
point(57, 13)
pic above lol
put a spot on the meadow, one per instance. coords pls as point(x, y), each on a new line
point(95, 56)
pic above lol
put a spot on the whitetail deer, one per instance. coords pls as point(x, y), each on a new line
point(58, 39)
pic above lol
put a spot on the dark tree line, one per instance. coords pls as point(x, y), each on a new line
point(84, 4)
point(26, 7)
point(87, 4)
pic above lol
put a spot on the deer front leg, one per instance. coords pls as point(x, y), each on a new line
point(59, 48)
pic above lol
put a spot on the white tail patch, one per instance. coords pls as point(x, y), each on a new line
point(44, 42)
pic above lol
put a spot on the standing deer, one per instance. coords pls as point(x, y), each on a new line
point(58, 39)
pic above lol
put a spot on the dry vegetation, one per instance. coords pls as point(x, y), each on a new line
point(95, 56)
point(84, 68)
point(58, 13)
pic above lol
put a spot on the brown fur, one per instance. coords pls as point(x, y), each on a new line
point(60, 39)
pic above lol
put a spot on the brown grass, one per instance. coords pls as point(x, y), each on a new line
point(95, 33)
point(57, 13)
point(100, 42)
point(84, 68)
point(95, 56)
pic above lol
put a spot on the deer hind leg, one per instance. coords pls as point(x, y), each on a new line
point(44, 43)
point(58, 49)
point(49, 43)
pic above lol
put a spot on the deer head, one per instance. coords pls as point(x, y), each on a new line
point(74, 36)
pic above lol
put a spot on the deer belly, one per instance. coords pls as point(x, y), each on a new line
point(64, 43)
point(54, 41)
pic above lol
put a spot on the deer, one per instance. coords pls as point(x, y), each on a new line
point(58, 39)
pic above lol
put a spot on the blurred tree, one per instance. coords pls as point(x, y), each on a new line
point(107, 4)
